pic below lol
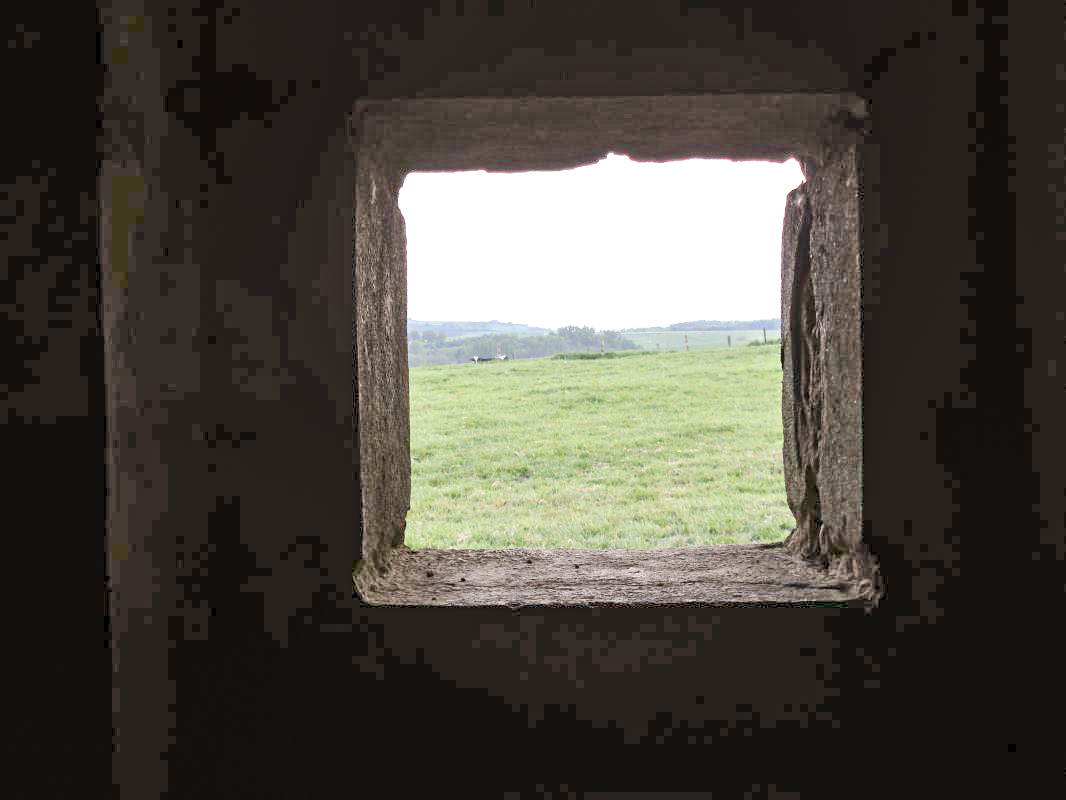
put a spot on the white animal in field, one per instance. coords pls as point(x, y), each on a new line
point(479, 359)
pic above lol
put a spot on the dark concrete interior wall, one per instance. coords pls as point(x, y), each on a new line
point(234, 520)
point(228, 338)
point(52, 427)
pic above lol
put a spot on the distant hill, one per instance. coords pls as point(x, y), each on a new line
point(457, 330)
point(716, 325)
point(454, 330)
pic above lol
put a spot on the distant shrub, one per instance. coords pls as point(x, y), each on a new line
point(586, 356)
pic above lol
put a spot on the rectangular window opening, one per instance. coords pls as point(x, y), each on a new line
point(611, 479)
point(581, 376)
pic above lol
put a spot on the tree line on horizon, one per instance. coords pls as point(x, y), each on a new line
point(432, 347)
point(715, 325)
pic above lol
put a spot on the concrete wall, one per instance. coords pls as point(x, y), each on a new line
point(239, 659)
point(821, 358)
point(380, 304)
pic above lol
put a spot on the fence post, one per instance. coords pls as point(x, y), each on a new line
point(686, 342)
point(764, 335)
point(603, 340)
point(729, 341)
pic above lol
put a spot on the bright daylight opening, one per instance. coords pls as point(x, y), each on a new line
point(595, 355)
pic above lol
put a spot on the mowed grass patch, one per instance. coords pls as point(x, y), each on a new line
point(672, 450)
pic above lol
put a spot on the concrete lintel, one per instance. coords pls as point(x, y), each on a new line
point(521, 134)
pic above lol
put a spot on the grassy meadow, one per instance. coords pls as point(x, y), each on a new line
point(675, 340)
point(666, 450)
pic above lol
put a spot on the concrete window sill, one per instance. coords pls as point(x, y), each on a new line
point(725, 575)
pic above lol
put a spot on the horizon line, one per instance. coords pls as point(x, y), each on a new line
point(557, 327)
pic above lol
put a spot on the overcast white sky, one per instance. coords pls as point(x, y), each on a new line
point(617, 244)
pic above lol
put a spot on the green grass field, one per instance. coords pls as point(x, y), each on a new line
point(675, 340)
point(667, 450)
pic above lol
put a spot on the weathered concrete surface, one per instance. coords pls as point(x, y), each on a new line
point(380, 334)
point(795, 277)
point(530, 133)
point(821, 357)
point(236, 109)
point(723, 575)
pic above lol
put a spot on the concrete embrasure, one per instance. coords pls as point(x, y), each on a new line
point(821, 338)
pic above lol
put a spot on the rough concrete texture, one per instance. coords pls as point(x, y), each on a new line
point(380, 303)
point(520, 134)
point(821, 357)
point(795, 232)
point(227, 337)
point(234, 642)
point(821, 280)
point(522, 577)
